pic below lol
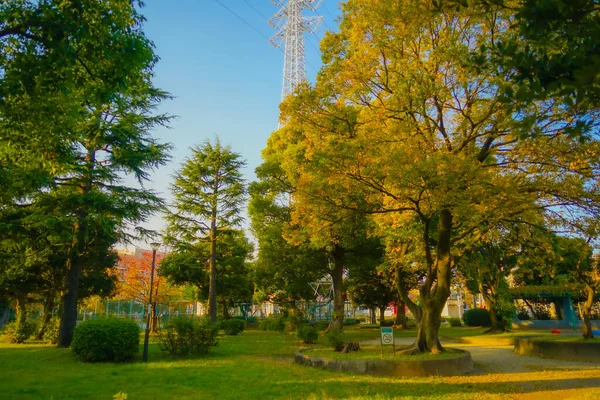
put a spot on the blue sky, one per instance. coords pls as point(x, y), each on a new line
point(225, 76)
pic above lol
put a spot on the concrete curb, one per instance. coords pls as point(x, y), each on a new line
point(506, 341)
point(573, 351)
point(460, 365)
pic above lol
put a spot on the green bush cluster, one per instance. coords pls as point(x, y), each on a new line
point(273, 323)
point(308, 334)
point(351, 321)
point(335, 339)
point(188, 336)
point(19, 333)
point(477, 317)
point(233, 326)
point(387, 322)
point(454, 322)
point(321, 325)
point(51, 333)
point(106, 339)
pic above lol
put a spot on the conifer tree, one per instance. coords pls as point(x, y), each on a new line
point(209, 193)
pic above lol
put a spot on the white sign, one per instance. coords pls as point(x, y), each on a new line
point(387, 335)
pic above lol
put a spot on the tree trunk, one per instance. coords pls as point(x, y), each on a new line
point(381, 316)
point(20, 317)
point(372, 316)
point(436, 289)
point(68, 318)
point(337, 277)
point(586, 312)
point(402, 288)
point(225, 310)
point(212, 292)
point(427, 335)
point(46, 315)
point(400, 315)
point(533, 314)
point(495, 325)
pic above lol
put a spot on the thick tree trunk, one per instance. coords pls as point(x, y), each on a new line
point(427, 335)
point(557, 306)
point(400, 316)
point(587, 311)
point(373, 316)
point(68, 318)
point(337, 277)
point(225, 310)
point(402, 288)
point(46, 315)
point(212, 291)
point(435, 295)
point(381, 315)
point(495, 325)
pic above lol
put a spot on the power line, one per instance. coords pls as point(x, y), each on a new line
point(255, 9)
point(243, 20)
point(328, 12)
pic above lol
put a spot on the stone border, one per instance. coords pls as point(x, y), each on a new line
point(500, 341)
point(573, 351)
point(460, 365)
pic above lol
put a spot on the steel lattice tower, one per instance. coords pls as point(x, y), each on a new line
point(291, 26)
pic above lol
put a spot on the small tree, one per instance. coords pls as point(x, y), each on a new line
point(208, 195)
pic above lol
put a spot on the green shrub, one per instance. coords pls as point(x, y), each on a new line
point(273, 323)
point(20, 333)
point(106, 339)
point(523, 314)
point(477, 317)
point(251, 320)
point(188, 336)
point(454, 322)
point(335, 339)
point(386, 322)
point(233, 326)
point(308, 334)
point(51, 333)
point(321, 325)
point(351, 321)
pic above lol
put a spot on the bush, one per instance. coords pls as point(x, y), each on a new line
point(251, 320)
point(308, 334)
point(322, 325)
point(523, 314)
point(336, 339)
point(351, 321)
point(233, 326)
point(272, 323)
point(477, 317)
point(106, 339)
point(386, 322)
point(188, 336)
point(19, 334)
point(454, 322)
point(51, 333)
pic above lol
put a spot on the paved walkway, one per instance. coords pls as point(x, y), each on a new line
point(491, 358)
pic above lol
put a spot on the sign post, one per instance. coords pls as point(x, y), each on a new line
point(387, 338)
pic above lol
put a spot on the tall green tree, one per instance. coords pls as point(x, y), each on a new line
point(282, 271)
point(209, 193)
point(430, 146)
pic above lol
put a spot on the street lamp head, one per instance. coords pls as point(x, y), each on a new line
point(155, 246)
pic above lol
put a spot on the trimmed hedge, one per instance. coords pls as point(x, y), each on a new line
point(455, 322)
point(308, 334)
point(188, 336)
point(272, 323)
point(233, 327)
point(106, 339)
point(477, 317)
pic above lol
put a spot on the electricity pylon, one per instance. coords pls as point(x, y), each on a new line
point(291, 26)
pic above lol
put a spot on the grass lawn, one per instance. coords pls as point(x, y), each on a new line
point(255, 364)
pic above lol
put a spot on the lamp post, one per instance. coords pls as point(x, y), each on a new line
point(155, 247)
